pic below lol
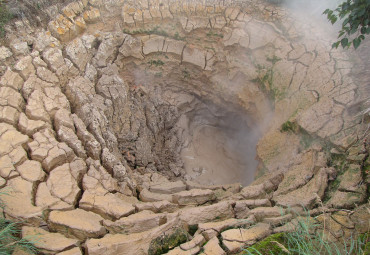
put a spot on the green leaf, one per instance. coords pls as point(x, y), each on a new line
point(341, 34)
point(361, 12)
point(344, 42)
point(353, 30)
point(356, 42)
point(345, 22)
point(335, 45)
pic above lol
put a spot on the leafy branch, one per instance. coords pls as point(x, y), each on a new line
point(356, 15)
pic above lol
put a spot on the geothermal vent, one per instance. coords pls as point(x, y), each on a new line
point(147, 127)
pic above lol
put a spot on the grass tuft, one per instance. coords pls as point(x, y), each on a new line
point(307, 239)
point(10, 239)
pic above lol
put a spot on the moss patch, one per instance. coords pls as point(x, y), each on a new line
point(268, 245)
point(164, 243)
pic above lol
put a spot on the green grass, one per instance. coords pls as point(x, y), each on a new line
point(308, 239)
point(10, 236)
point(269, 245)
point(10, 240)
point(5, 16)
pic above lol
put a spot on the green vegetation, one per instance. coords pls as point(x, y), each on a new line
point(273, 60)
point(356, 23)
point(214, 34)
point(156, 62)
point(5, 16)
point(265, 77)
point(10, 240)
point(178, 37)
point(164, 243)
point(186, 74)
point(289, 126)
point(339, 162)
point(193, 229)
point(304, 241)
point(269, 245)
point(154, 31)
point(307, 239)
point(10, 236)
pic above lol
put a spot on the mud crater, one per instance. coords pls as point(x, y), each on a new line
point(194, 133)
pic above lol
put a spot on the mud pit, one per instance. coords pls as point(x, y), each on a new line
point(196, 130)
point(221, 149)
point(203, 138)
point(125, 120)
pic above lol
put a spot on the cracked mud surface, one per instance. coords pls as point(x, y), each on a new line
point(125, 122)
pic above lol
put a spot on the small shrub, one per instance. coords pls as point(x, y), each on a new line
point(289, 126)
